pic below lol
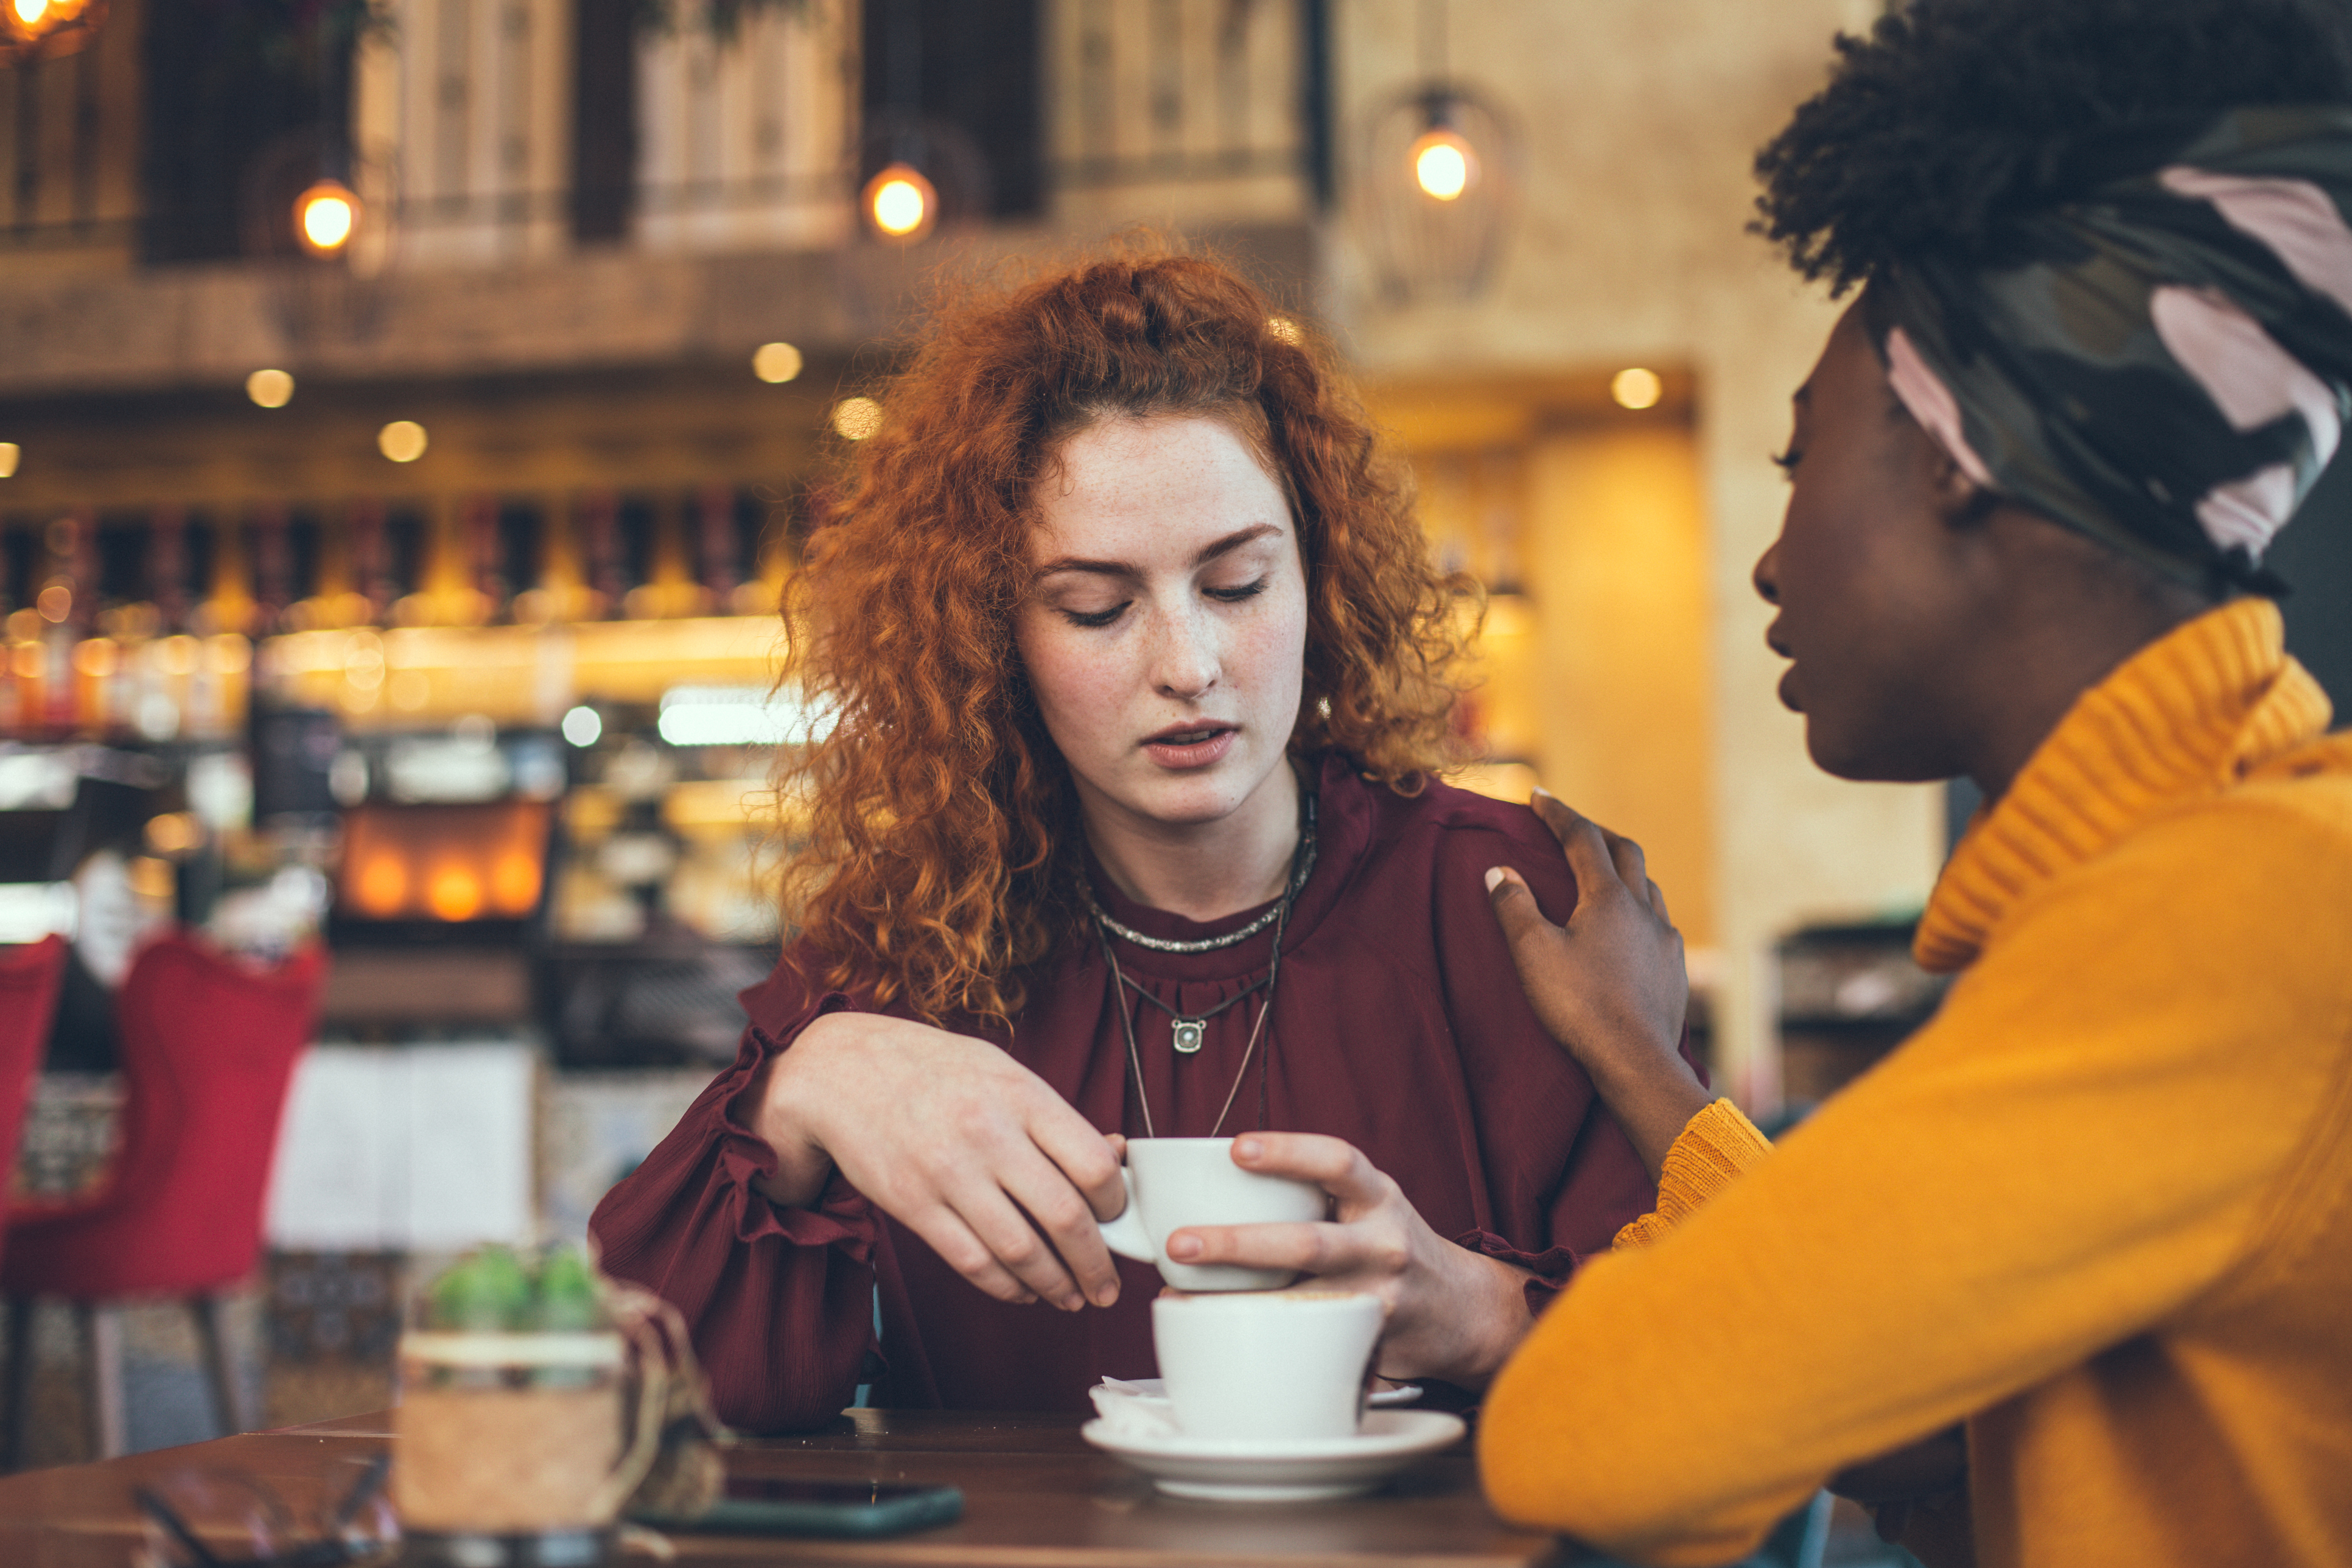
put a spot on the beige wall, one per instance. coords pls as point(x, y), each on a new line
point(1639, 119)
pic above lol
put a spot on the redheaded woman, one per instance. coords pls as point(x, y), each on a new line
point(1128, 826)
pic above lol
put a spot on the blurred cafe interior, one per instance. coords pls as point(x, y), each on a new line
point(408, 414)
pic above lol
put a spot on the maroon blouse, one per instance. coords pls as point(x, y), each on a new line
point(1399, 1026)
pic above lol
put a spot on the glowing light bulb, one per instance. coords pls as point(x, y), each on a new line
point(453, 893)
point(30, 12)
point(1443, 165)
point(402, 440)
point(270, 388)
point(324, 217)
point(514, 883)
point(900, 202)
point(776, 363)
point(383, 886)
point(856, 418)
point(1636, 388)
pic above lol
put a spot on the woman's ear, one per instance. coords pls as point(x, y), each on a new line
point(1960, 501)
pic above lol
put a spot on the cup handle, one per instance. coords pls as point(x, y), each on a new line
point(1126, 1235)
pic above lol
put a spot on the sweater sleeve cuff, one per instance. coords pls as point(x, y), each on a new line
point(1547, 1271)
point(840, 1217)
point(1709, 1154)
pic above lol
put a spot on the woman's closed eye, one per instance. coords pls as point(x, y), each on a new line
point(1787, 460)
point(1103, 617)
point(1234, 595)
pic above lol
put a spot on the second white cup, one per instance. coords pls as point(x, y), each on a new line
point(1175, 1181)
point(1270, 1366)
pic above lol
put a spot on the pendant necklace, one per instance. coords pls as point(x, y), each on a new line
point(1188, 1034)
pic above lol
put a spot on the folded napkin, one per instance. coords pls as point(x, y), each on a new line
point(1135, 1410)
point(1139, 1407)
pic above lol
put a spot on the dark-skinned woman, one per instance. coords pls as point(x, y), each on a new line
point(2098, 1213)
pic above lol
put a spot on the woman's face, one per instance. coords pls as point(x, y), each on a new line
point(1885, 601)
point(1165, 630)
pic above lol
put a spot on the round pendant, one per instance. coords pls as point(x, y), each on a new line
point(1189, 1034)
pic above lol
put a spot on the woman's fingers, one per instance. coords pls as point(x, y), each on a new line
point(1336, 1165)
point(946, 1233)
point(1583, 841)
point(1043, 1191)
point(1319, 1247)
point(1013, 1243)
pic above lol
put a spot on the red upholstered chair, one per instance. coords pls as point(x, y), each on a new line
point(29, 978)
point(208, 1048)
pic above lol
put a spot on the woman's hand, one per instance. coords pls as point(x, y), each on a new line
point(1609, 984)
point(1453, 1313)
point(956, 1140)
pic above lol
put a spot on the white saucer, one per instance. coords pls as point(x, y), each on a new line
point(1240, 1470)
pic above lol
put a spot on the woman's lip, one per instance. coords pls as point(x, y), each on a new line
point(1198, 754)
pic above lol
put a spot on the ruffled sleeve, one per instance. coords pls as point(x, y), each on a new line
point(779, 1299)
point(1713, 1148)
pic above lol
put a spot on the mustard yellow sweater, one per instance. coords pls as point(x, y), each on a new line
point(2100, 1208)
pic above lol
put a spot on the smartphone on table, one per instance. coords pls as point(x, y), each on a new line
point(777, 1505)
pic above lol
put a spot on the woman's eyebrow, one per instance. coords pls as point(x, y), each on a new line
point(1209, 552)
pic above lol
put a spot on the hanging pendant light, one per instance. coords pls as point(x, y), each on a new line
point(326, 216)
point(900, 203)
point(1438, 182)
point(45, 29)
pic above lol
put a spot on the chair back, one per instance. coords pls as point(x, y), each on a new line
point(209, 1047)
point(29, 979)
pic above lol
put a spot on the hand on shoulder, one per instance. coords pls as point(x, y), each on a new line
point(1609, 983)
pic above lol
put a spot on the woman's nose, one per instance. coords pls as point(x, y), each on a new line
point(1767, 576)
point(1184, 661)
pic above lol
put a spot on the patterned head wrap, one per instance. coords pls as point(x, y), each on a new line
point(2163, 364)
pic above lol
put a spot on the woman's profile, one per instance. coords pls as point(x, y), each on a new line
point(1130, 824)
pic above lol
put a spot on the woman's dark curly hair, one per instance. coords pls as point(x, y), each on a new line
point(1953, 116)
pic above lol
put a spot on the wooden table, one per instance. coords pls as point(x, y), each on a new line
point(1035, 1497)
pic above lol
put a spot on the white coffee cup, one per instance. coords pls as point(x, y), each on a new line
point(1175, 1181)
point(1276, 1365)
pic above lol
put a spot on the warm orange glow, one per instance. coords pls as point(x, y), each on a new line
point(514, 883)
point(97, 657)
point(777, 362)
point(228, 654)
point(56, 602)
point(1637, 388)
point(1443, 166)
point(49, 21)
point(402, 440)
point(177, 655)
point(900, 203)
point(857, 418)
point(270, 388)
point(382, 886)
point(324, 217)
point(174, 833)
point(453, 893)
point(24, 660)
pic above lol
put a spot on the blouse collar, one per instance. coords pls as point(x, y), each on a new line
point(1343, 831)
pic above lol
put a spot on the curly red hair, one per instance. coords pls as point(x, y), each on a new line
point(938, 866)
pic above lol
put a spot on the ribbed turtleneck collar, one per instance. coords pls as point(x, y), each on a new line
point(2186, 716)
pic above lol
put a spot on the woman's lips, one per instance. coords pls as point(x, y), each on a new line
point(1195, 748)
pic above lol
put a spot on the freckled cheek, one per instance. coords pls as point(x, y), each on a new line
point(1084, 691)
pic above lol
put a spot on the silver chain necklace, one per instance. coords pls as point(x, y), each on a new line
point(1302, 867)
point(1189, 1033)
